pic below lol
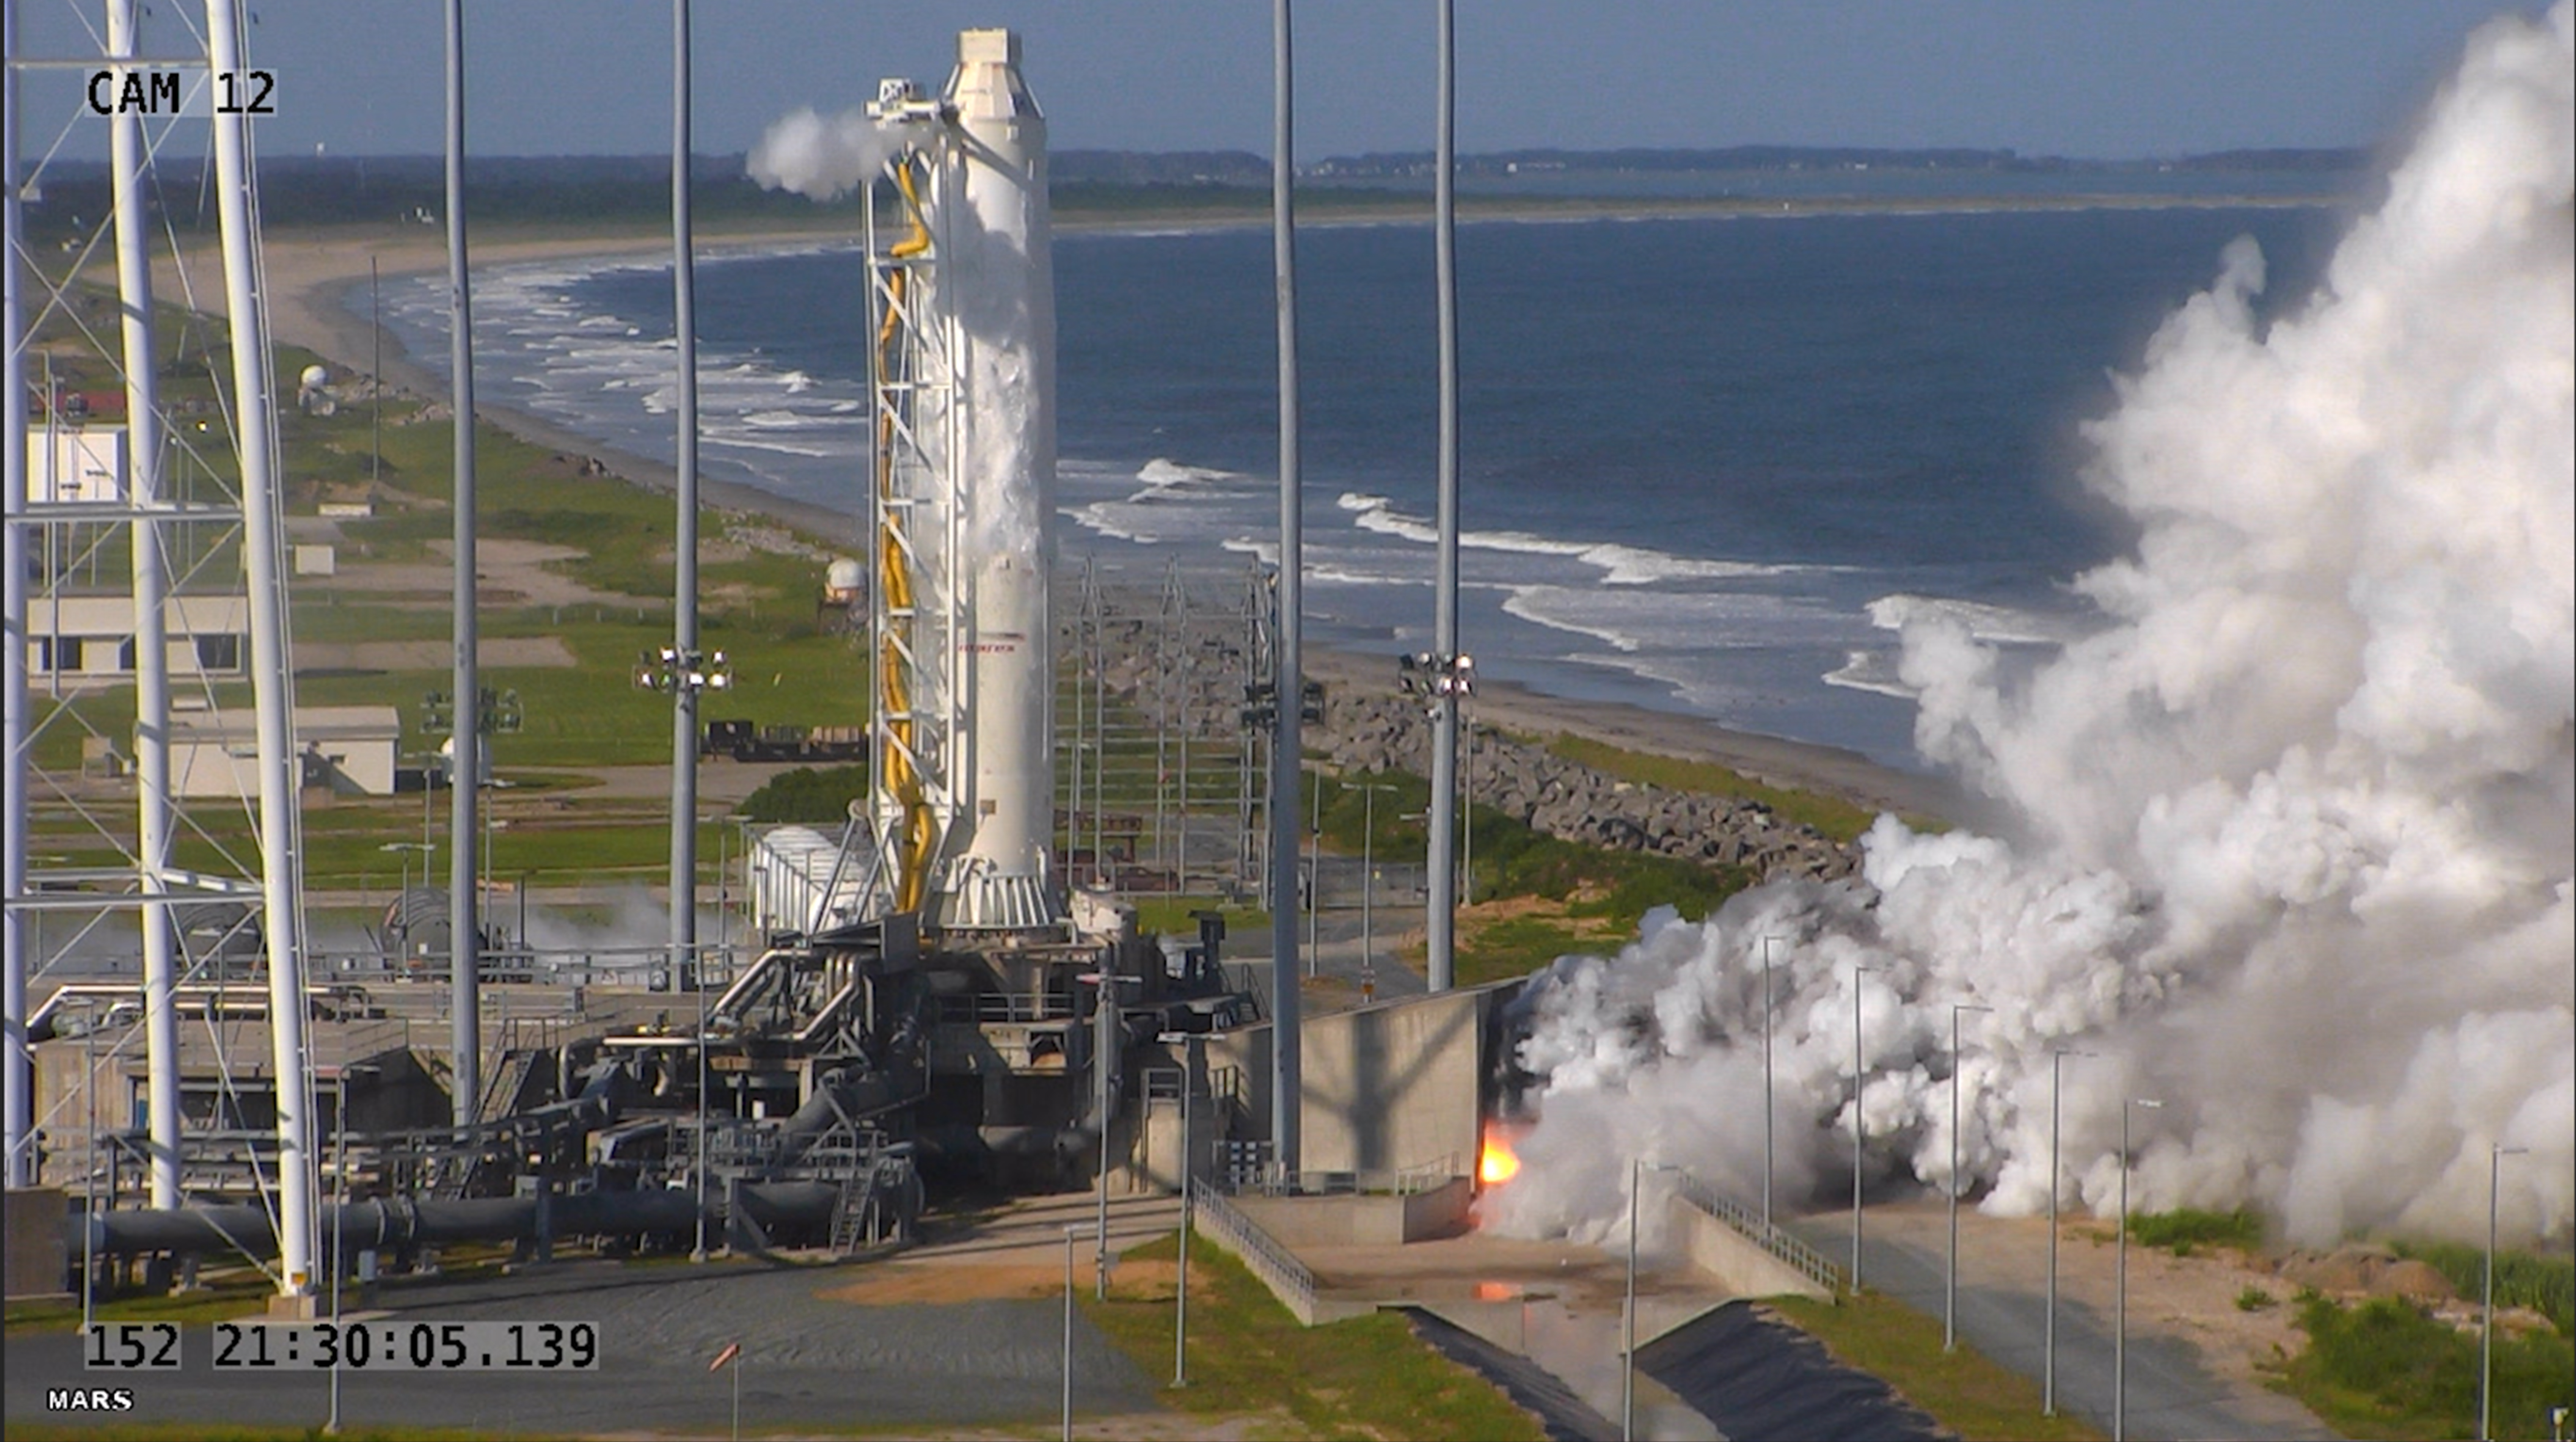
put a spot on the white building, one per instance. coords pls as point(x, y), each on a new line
point(349, 750)
point(92, 637)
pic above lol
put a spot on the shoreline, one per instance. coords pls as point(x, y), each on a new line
point(309, 274)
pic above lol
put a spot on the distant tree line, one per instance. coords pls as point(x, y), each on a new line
point(619, 189)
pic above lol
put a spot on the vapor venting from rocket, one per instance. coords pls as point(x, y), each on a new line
point(822, 159)
point(2295, 841)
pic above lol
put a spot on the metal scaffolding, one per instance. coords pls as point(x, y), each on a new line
point(1164, 764)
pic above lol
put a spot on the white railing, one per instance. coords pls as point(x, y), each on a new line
point(1287, 1278)
point(1747, 1220)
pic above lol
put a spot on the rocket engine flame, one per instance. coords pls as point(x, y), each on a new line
point(1496, 1163)
point(2294, 830)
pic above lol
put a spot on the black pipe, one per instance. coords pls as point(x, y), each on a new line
point(402, 1222)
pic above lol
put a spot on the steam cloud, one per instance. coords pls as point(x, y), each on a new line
point(2293, 832)
point(822, 159)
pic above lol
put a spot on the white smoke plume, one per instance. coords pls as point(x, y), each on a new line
point(822, 159)
point(2295, 841)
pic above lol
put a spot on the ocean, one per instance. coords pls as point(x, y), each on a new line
point(1708, 465)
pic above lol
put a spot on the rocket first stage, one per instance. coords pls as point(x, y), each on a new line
point(964, 788)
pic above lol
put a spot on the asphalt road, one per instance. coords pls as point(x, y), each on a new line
point(2170, 1395)
point(805, 1361)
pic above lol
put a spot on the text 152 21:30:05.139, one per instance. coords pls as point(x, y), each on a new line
point(383, 1345)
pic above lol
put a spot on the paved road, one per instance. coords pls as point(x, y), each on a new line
point(2171, 1395)
point(806, 1361)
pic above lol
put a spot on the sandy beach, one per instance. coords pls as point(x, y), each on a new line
point(310, 273)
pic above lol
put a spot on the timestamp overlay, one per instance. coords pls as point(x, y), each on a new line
point(260, 1371)
point(388, 1345)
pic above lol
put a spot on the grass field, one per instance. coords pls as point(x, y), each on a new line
point(1367, 1377)
point(2386, 1369)
point(1964, 1392)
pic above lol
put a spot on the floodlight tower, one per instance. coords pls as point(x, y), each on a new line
point(272, 685)
point(145, 492)
point(963, 310)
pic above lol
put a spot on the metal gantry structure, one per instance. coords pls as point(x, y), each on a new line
point(198, 543)
point(1164, 756)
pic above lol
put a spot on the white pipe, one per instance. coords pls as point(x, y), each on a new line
point(1441, 901)
point(151, 637)
point(1287, 1087)
point(684, 549)
point(272, 687)
point(465, 752)
point(17, 1082)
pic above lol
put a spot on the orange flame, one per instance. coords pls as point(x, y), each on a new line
point(1496, 1164)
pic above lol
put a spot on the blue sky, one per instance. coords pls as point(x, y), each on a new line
point(2072, 77)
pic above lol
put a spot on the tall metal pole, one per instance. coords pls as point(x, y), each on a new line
point(1950, 1274)
point(2486, 1314)
point(272, 678)
point(339, 1220)
point(698, 1250)
point(17, 1086)
point(1442, 888)
point(89, 1165)
point(1315, 877)
point(2056, 1176)
point(1858, 1120)
point(1181, 1291)
point(1628, 1314)
point(2120, 1306)
point(1070, 1232)
point(1104, 1071)
point(684, 548)
point(1287, 1086)
point(465, 770)
point(1769, 1120)
point(1068, 1332)
point(1368, 873)
point(151, 638)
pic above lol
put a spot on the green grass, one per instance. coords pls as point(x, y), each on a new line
point(237, 1432)
point(2546, 1285)
point(807, 794)
point(1964, 1392)
point(1178, 916)
point(2386, 1369)
point(1834, 817)
point(2185, 1230)
point(1368, 1377)
point(222, 1301)
point(1518, 946)
point(1510, 859)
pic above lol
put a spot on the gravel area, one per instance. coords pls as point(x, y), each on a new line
point(807, 1362)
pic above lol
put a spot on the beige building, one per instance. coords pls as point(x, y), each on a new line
point(92, 637)
point(349, 750)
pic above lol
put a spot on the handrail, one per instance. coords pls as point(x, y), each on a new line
point(1287, 1278)
point(1747, 1220)
point(1368, 1181)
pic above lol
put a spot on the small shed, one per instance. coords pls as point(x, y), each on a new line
point(347, 750)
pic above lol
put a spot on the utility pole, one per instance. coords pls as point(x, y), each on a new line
point(684, 593)
point(465, 766)
point(1443, 888)
point(1287, 1085)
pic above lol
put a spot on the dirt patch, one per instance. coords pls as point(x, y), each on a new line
point(495, 651)
point(2367, 1272)
point(895, 1283)
point(506, 573)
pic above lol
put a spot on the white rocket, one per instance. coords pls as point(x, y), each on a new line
point(974, 444)
point(1001, 275)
